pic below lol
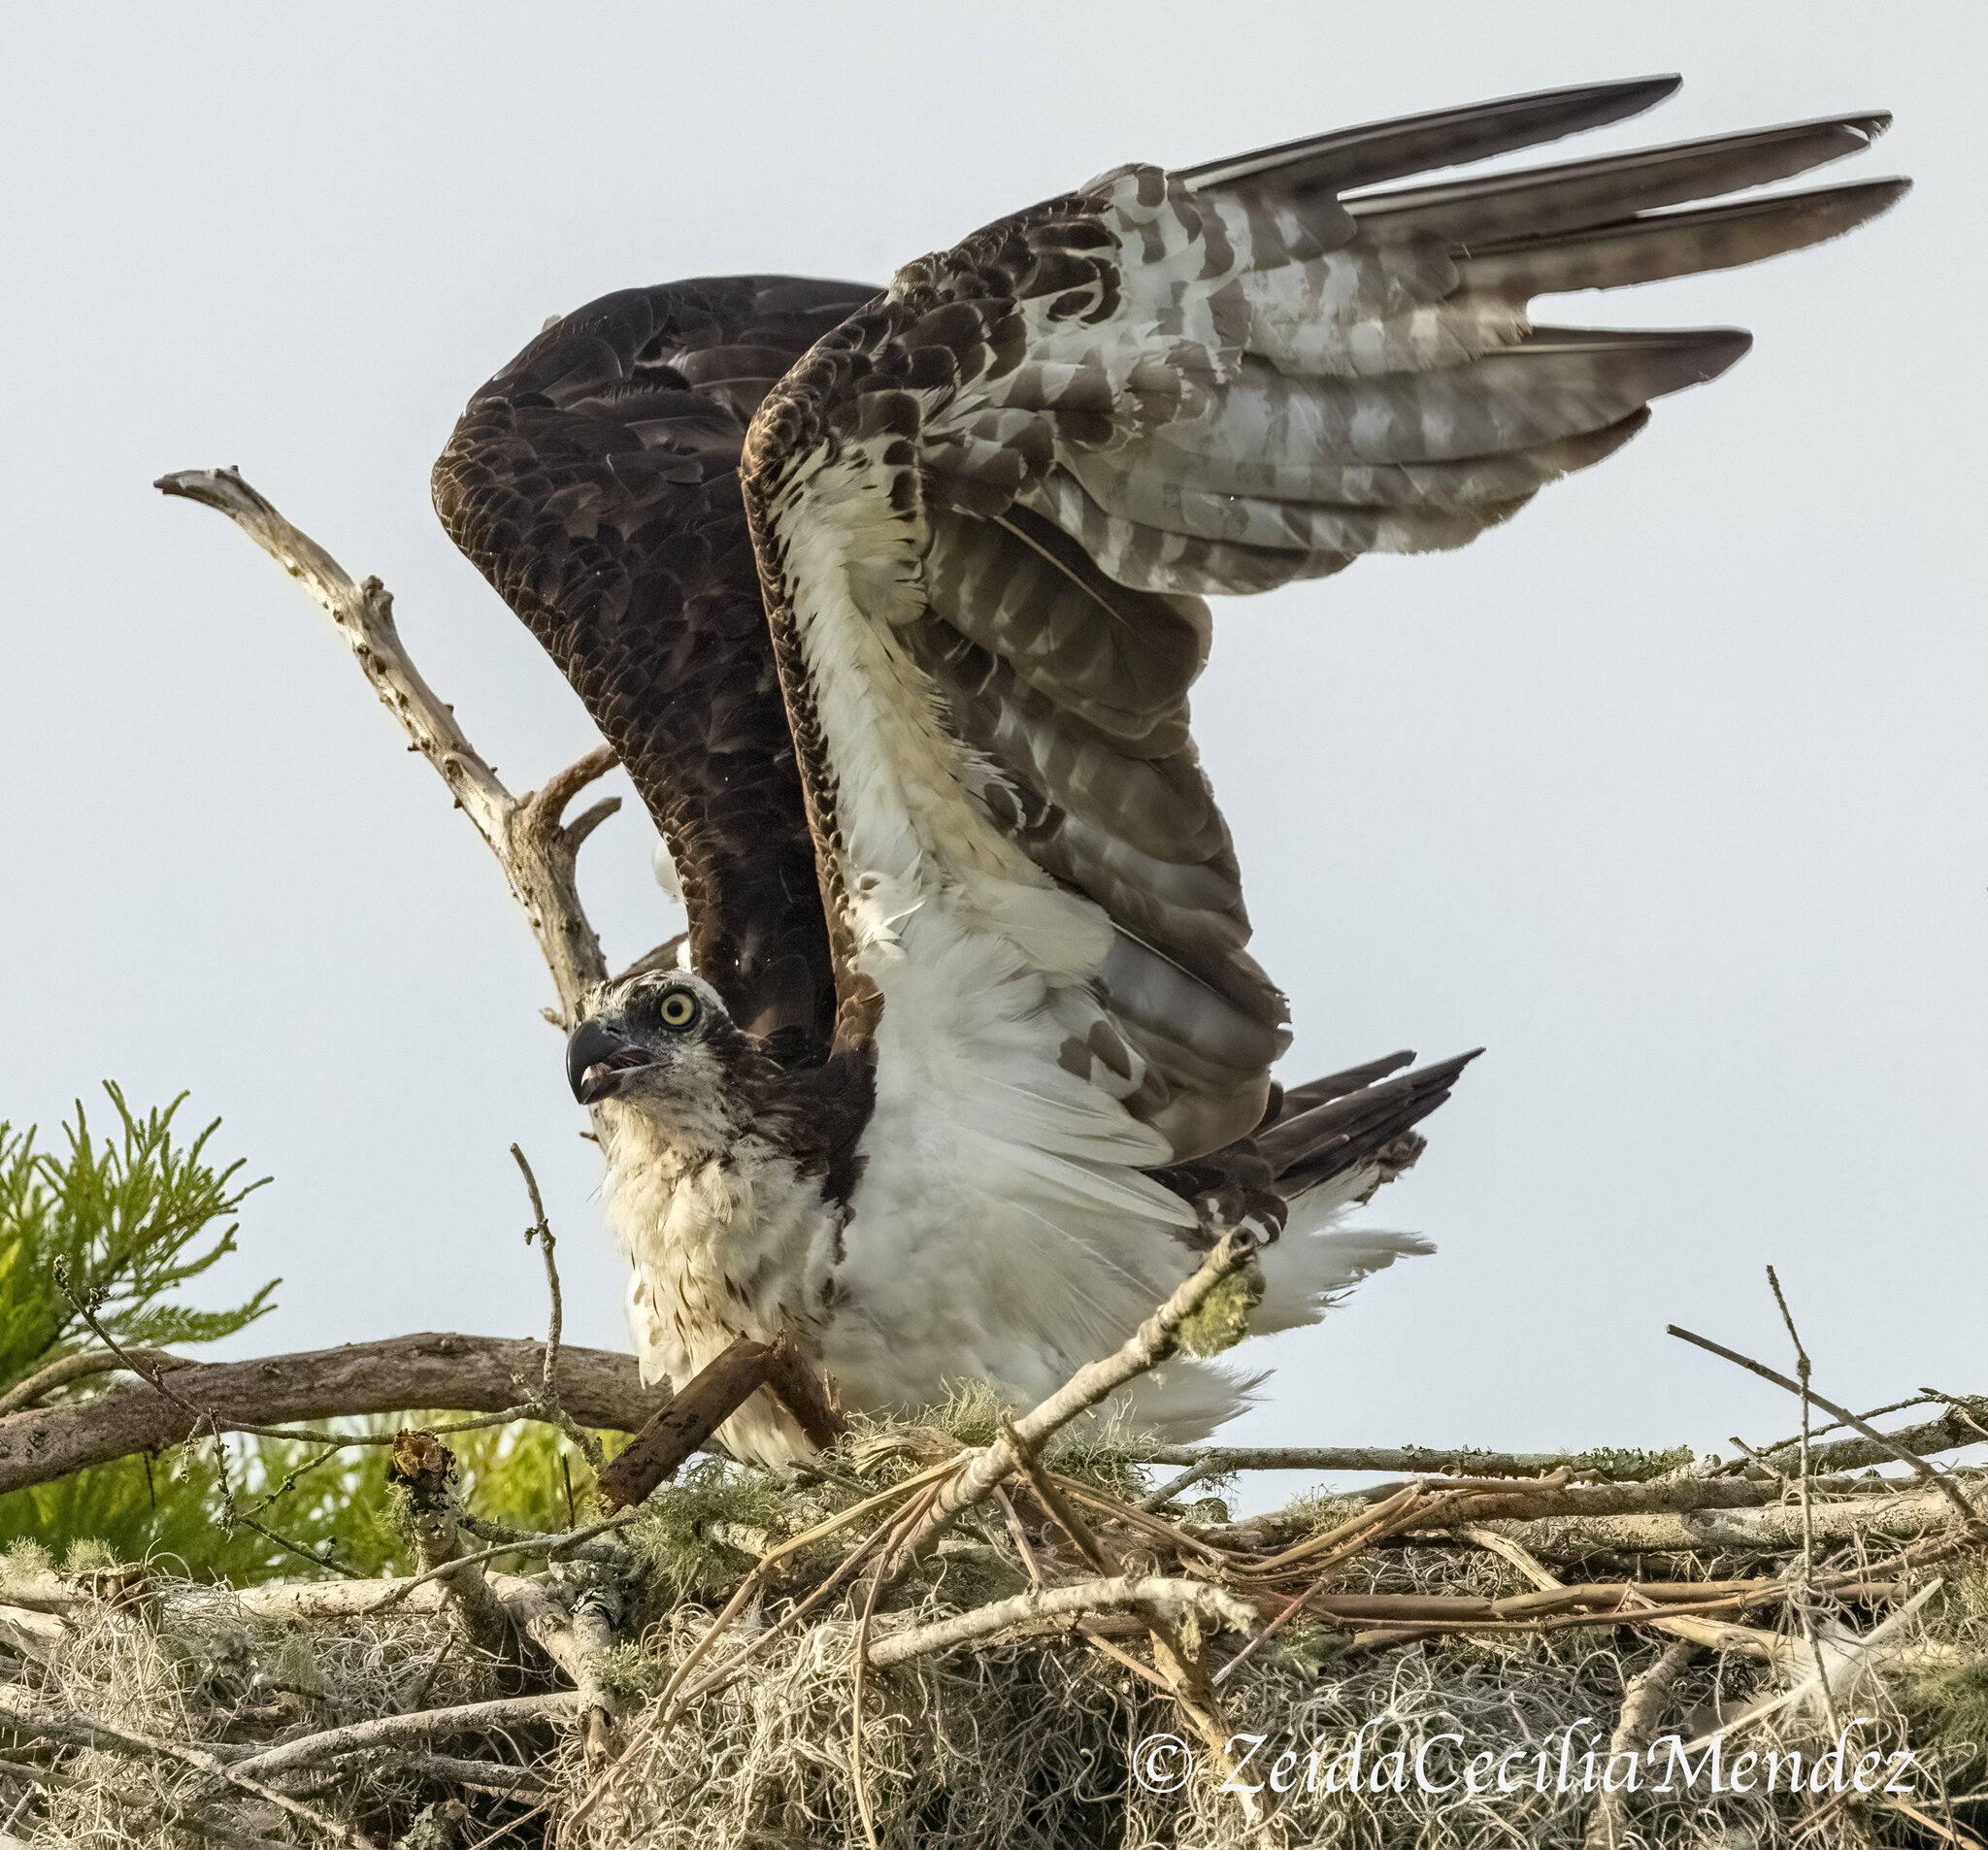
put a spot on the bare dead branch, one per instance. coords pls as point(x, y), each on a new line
point(1145, 1348)
point(1804, 1614)
point(398, 1591)
point(1711, 1633)
point(1908, 1516)
point(1175, 1600)
point(1416, 1461)
point(394, 1731)
point(1954, 1428)
point(476, 1373)
point(20, 1714)
point(336, 1599)
point(1645, 1704)
point(1924, 1398)
point(424, 1470)
point(1952, 1431)
point(537, 850)
point(709, 1398)
point(488, 1775)
point(1966, 1510)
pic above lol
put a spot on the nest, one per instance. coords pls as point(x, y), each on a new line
point(989, 1629)
point(744, 1621)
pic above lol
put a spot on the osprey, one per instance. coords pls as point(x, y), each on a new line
point(890, 603)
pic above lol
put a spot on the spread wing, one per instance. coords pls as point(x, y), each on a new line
point(595, 482)
point(987, 509)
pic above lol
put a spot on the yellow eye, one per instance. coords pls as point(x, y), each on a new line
point(679, 1008)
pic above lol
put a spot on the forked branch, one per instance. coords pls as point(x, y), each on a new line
point(535, 845)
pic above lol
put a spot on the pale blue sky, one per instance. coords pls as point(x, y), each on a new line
point(1670, 792)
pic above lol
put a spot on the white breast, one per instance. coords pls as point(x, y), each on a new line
point(720, 1246)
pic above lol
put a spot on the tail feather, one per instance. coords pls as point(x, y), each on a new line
point(1368, 1126)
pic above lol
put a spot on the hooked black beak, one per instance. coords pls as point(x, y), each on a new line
point(599, 1062)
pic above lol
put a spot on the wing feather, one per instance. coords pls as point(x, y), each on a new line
point(593, 481)
point(988, 507)
point(1542, 201)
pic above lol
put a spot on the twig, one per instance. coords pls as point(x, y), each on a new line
point(491, 1775)
point(543, 1230)
point(1150, 1345)
point(86, 1308)
point(676, 1698)
point(1965, 1840)
point(1105, 1648)
point(393, 1730)
point(90, 1732)
point(284, 1542)
point(1968, 1513)
point(1764, 1462)
point(1185, 1677)
point(1804, 1604)
point(880, 1544)
point(1018, 1534)
point(856, 1714)
point(690, 1417)
point(1418, 1461)
point(1173, 1600)
point(1924, 1398)
point(1407, 1509)
point(1052, 1500)
point(80, 1366)
point(1872, 1645)
point(1407, 1505)
point(541, 1544)
point(418, 1699)
point(548, 1389)
point(1645, 1702)
point(1711, 1633)
point(536, 850)
point(1908, 1516)
point(1968, 1406)
point(233, 1516)
point(1155, 1529)
point(1214, 1465)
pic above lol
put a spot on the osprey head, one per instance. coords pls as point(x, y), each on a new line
point(661, 1039)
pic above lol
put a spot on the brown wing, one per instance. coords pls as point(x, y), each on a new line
point(595, 482)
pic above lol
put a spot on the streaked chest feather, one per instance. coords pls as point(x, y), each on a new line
point(722, 1246)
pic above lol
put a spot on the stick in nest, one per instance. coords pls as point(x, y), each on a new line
point(1148, 1346)
point(1644, 1705)
point(1969, 1517)
point(90, 1731)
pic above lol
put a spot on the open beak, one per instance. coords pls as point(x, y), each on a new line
point(599, 1062)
